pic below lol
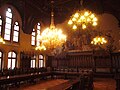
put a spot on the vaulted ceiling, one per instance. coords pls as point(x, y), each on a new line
point(33, 11)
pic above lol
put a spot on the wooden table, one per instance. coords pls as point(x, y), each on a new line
point(31, 77)
point(74, 84)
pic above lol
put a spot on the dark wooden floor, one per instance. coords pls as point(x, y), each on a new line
point(99, 84)
point(104, 84)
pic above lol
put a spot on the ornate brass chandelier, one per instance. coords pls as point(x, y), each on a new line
point(99, 40)
point(52, 37)
point(82, 19)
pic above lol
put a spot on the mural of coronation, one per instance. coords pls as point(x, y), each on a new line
point(78, 42)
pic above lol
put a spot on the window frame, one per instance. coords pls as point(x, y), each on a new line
point(33, 58)
point(1, 60)
point(17, 31)
point(34, 37)
point(39, 59)
point(1, 26)
point(7, 23)
point(36, 30)
point(11, 58)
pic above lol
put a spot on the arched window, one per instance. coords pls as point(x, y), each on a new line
point(16, 32)
point(1, 58)
point(41, 61)
point(8, 24)
point(12, 57)
point(33, 61)
point(38, 33)
point(35, 34)
point(0, 25)
point(33, 37)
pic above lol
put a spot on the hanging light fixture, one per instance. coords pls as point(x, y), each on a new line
point(82, 19)
point(1, 40)
point(52, 37)
point(99, 40)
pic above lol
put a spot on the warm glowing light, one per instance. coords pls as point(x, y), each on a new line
point(86, 13)
point(76, 15)
point(40, 47)
point(83, 19)
point(83, 26)
point(94, 23)
point(73, 19)
point(74, 27)
point(1, 40)
point(99, 40)
point(52, 38)
point(70, 22)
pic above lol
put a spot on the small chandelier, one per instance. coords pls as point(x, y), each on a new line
point(99, 40)
point(1, 40)
point(52, 37)
point(82, 19)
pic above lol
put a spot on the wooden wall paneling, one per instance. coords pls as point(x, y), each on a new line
point(83, 64)
point(74, 62)
point(24, 60)
point(54, 63)
point(119, 61)
point(99, 61)
point(68, 61)
point(116, 61)
point(102, 62)
point(77, 61)
point(63, 62)
point(71, 64)
point(80, 62)
point(91, 64)
point(83, 61)
point(49, 61)
point(58, 62)
point(88, 62)
point(116, 64)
